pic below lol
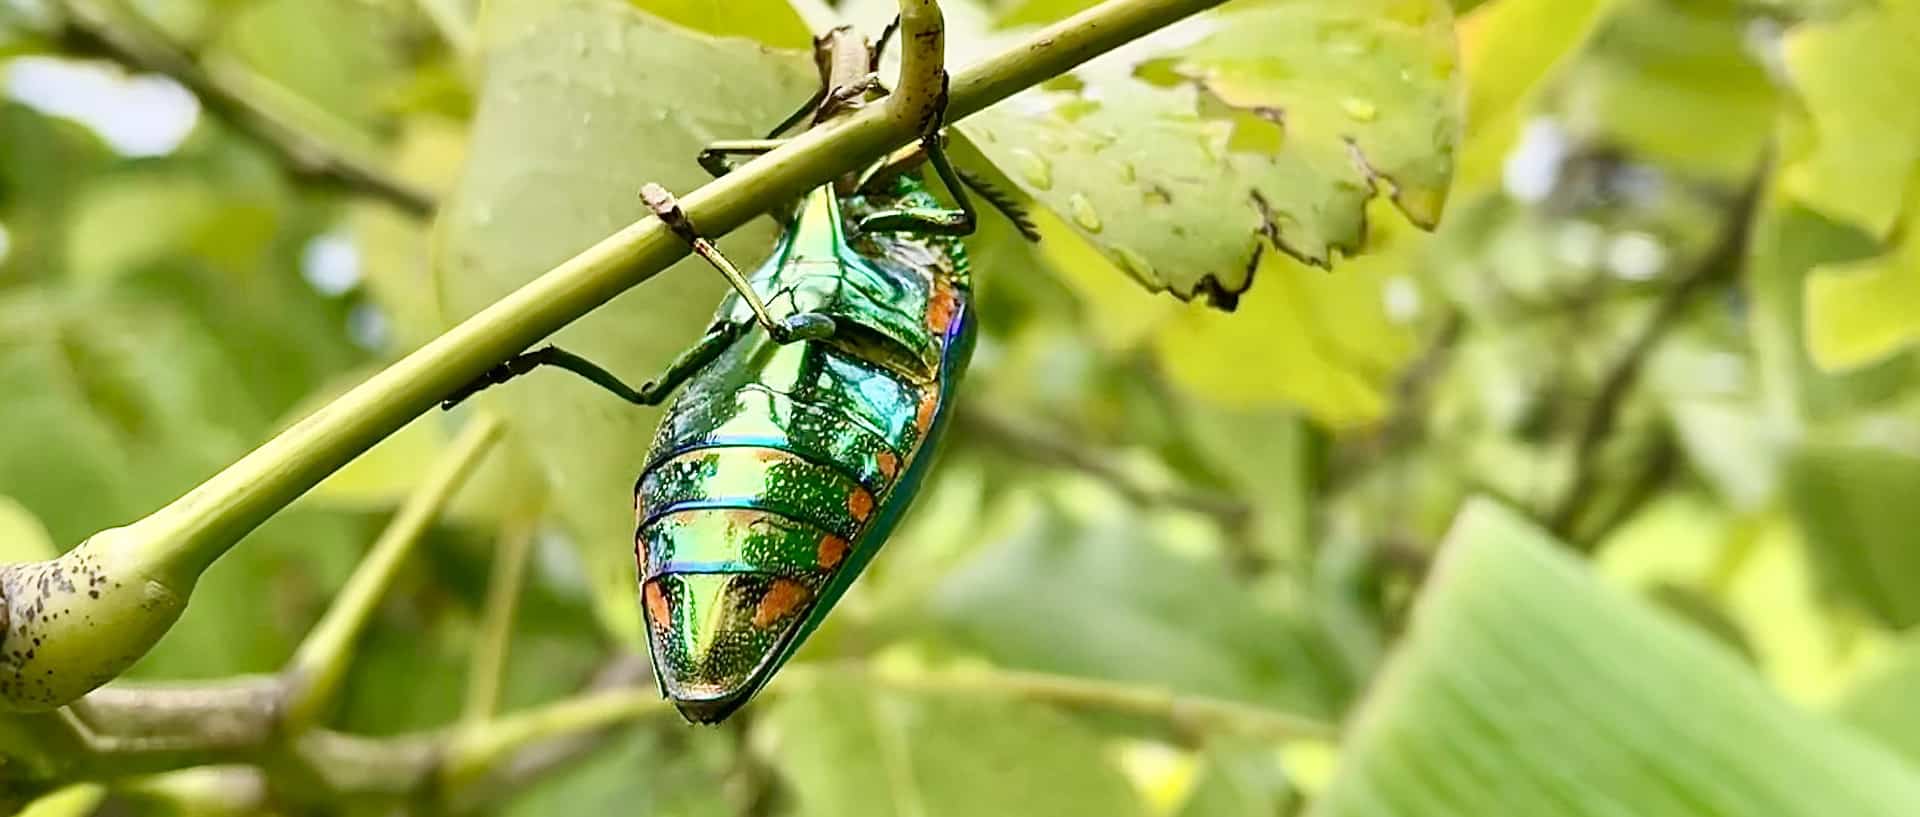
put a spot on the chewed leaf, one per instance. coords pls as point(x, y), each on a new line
point(1264, 125)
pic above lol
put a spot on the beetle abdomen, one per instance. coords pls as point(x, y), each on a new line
point(765, 480)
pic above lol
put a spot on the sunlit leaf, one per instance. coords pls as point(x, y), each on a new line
point(772, 22)
point(1329, 343)
point(1856, 76)
point(583, 103)
point(1263, 127)
point(1861, 312)
point(1509, 50)
point(1526, 687)
point(849, 750)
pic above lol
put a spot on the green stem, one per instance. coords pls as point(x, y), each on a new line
point(1185, 713)
point(475, 753)
point(317, 668)
point(489, 663)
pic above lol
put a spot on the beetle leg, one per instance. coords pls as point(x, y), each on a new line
point(714, 157)
point(934, 220)
point(795, 327)
point(652, 394)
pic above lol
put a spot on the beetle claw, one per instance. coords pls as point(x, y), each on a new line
point(808, 326)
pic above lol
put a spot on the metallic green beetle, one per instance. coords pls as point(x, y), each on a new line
point(791, 452)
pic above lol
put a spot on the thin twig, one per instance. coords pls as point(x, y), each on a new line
point(489, 663)
point(1050, 446)
point(1720, 261)
point(320, 663)
point(106, 30)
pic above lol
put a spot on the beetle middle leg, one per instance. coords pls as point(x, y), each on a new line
point(804, 326)
point(653, 393)
point(931, 220)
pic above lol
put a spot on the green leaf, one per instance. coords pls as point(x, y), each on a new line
point(43, 164)
point(1855, 505)
point(640, 772)
point(1856, 76)
point(1671, 83)
point(1524, 686)
point(1268, 128)
point(22, 537)
point(1114, 601)
point(1511, 49)
point(329, 63)
point(1238, 781)
point(849, 750)
point(73, 801)
point(1882, 703)
point(1862, 312)
point(583, 103)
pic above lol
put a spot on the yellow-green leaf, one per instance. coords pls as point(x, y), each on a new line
point(1861, 312)
point(1329, 343)
point(772, 22)
point(1856, 76)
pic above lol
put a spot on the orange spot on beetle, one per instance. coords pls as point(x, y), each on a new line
point(940, 309)
point(833, 550)
point(889, 464)
point(657, 605)
point(860, 504)
point(784, 597)
point(923, 419)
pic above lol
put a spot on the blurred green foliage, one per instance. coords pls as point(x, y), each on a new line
point(1591, 501)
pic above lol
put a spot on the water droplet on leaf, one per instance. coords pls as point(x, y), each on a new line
point(1083, 213)
point(1035, 169)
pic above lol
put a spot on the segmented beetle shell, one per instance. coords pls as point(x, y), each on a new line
point(780, 469)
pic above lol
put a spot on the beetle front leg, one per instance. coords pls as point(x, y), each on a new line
point(805, 326)
point(932, 220)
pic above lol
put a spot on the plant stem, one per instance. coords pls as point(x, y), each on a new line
point(185, 536)
point(489, 663)
point(121, 35)
point(315, 673)
point(1185, 713)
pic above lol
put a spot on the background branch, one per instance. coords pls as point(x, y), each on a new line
point(1058, 448)
point(104, 29)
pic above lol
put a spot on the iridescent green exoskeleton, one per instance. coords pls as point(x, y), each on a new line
point(808, 413)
